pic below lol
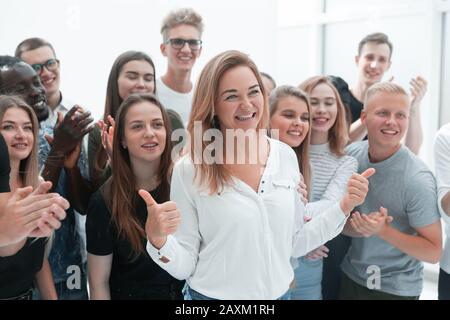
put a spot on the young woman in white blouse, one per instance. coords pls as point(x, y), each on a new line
point(237, 225)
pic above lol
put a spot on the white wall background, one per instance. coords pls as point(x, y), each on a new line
point(88, 35)
point(290, 39)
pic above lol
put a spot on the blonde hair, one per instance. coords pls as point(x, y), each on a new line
point(28, 168)
point(302, 151)
point(384, 87)
point(181, 16)
point(338, 133)
point(215, 176)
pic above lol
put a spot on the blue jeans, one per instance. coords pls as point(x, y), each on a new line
point(191, 294)
point(64, 293)
point(308, 280)
point(444, 285)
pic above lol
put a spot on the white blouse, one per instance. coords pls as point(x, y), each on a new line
point(237, 244)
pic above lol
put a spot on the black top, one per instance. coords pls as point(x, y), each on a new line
point(4, 166)
point(351, 103)
point(140, 278)
point(17, 272)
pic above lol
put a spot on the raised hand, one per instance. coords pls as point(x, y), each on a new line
point(107, 134)
point(29, 213)
point(418, 90)
point(162, 219)
point(69, 132)
point(357, 189)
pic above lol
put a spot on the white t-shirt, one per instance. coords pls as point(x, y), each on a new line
point(442, 162)
point(237, 244)
point(170, 99)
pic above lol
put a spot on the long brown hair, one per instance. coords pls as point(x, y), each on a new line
point(120, 190)
point(302, 151)
point(215, 176)
point(28, 168)
point(338, 133)
point(113, 100)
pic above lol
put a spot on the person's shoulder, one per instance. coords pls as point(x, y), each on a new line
point(355, 148)
point(284, 154)
point(348, 160)
point(415, 168)
point(281, 147)
point(184, 166)
point(444, 132)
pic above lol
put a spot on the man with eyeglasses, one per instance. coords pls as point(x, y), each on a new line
point(41, 56)
point(182, 31)
point(70, 139)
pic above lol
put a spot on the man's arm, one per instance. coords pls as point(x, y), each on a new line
point(414, 135)
point(79, 190)
point(426, 246)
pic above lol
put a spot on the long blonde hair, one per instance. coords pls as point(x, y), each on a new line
point(28, 167)
point(302, 151)
point(338, 133)
point(215, 176)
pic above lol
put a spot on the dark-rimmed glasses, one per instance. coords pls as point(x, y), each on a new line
point(50, 65)
point(177, 43)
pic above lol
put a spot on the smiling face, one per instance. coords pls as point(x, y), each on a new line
point(20, 79)
point(386, 118)
point(239, 103)
point(136, 76)
point(49, 79)
point(17, 129)
point(373, 62)
point(144, 132)
point(323, 108)
point(291, 118)
point(181, 59)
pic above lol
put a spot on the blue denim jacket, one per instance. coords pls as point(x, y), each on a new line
point(66, 248)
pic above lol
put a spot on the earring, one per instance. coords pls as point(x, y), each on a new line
point(124, 146)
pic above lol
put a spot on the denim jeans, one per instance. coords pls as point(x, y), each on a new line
point(308, 279)
point(444, 285)
point(191, 294)
point(65, 293)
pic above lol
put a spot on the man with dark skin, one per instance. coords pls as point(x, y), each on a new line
point(17, 77)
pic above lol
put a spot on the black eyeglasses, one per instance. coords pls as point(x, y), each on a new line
point(50, 65)
point(179, 43)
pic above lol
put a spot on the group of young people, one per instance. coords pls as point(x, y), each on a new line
point(272, 195)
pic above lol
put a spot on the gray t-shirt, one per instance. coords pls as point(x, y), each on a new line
point(405, 186)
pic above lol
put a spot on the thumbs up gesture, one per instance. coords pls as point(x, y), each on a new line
point(357, 189)
point(162, 219)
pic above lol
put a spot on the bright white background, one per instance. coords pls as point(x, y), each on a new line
point(290, 39)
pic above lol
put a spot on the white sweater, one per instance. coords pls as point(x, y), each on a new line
point(330, 175)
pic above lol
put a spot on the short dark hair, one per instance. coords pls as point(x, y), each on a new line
point(270, 78)
point(31, 44)
point(378, 38)
point(6, 62)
